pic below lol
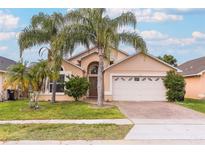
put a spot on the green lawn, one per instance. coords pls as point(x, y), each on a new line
point(63, 132)
point(198, 105)
point(16, 110)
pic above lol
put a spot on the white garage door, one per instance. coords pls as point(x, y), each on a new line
point(128, 88)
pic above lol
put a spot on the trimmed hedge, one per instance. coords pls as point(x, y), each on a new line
point(175, 85)
point(76, 87)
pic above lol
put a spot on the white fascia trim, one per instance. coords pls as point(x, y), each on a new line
point(3, 71)
point(201, 72)
point(120, 62)
point(95, 51)
point(190, 75)
point(74, 65)
point(129, 74)
point(197, 74)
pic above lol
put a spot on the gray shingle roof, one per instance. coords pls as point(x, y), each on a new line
point(5, 63)
point(193, 67)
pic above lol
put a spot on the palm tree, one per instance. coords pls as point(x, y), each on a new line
point(93, 27)
point(17, 78)
point(37, 74)
point(48, 31)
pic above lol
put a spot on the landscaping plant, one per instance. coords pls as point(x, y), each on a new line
point(48, 32)
point(37, 74)
point(175, 85)
point(76, 87)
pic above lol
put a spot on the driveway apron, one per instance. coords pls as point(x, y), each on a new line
point(163, 121)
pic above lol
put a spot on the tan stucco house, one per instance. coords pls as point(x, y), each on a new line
point(126, 78)
point(4, 65)
point(194, 74)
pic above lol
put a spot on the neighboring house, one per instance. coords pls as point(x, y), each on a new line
point(126, 78)
point(194, 74)
point(4, 64)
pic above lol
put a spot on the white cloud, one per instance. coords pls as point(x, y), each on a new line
point(156, 38)
point(3, 48)
point(114, 12)
point(194, 39)
point(8, 21)
point(198, 35)
point(7, 35)
point(178, 41)
point(153, 35)
point(147, 15)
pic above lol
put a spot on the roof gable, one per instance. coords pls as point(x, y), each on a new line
point(82, 53)
point(146, 54)
point(74, 65)
point(90, 54)
point(90, 51)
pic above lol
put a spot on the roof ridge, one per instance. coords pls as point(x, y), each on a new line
point(192, 60)
point(78, 54)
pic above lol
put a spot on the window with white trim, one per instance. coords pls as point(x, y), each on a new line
point(59, 83)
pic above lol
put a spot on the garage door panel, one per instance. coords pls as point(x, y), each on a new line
point(146, 89)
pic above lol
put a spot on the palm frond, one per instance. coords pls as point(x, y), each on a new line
point(125, 19)
point(134, 40)
point(39, 19)
point(30, 37)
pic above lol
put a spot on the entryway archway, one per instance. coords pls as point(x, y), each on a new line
point(92, 76)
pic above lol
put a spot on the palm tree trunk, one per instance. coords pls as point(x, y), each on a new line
point(37, 93)
point(100, 98)
point(53, 100)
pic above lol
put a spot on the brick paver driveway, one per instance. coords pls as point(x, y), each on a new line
point(157, 110)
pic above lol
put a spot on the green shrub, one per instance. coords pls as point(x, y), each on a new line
point(76, 87)
point(175, 86)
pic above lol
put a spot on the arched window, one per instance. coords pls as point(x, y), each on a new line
point(93, 68)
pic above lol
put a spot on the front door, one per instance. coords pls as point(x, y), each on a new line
point(93, 86)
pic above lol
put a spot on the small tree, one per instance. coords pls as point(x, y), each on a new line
point(76, 87)
point(175, 85)
point(37, 75)
point(17, 78)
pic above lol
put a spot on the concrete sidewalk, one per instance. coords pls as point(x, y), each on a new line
point(167, 129)
point(60, 121)
point(169, 121)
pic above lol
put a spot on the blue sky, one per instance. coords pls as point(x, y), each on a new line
point(180, 32)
